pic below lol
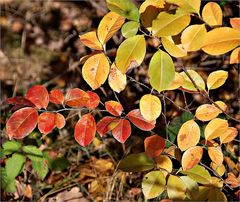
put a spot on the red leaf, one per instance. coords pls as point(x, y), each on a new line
point(19, 100)
point(114, 108)
point(106, 124)
point(56, 96)
point(93, 101)
point(122, 131)
point(137, 119)
point(59, 121)
point(76, 98)
point(85, 130)
point(154, 145)
point(46, 122)
point(21, 123)
point(38, 95)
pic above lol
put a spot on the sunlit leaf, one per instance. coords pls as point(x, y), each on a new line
point(85, 130)
point(138, 120)
point(114, 107)
point(229, 135)
point(108, 26)
point(216, 182)
point(216, 155)
point(59, 121)
point(188, 135)
point(95, 70)
point(130, 29)
point(216, 79)
point(191, 157)
point(222, 106)
point(154, 3)
point(150, 107)
point(153, 184)
point(122, 131)
point(235, 56)
point(91, 40)
point(176, 188)
point(56, 96)
point(192, 187)
point(206, 112)
point(38, 95)
point(164, 162)
point(46, 122)
point(187, 5)
point(212, 14)
point(173, 49)
point(177, 82)
point(218, 169)
point(221, 40)
point(215, 128)
point(106, 124)
point(235, 23)
point(154, 145)
point(93, 100)
point(161, 71)
point(21, 123)
point(131, 53)
point(76, 98)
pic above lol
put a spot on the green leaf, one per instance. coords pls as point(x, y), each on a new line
point(129, 29)
point(131, 53)
point(161, 71)
point(11, 147)
point(14, 165)
point(153, 184)
point(136, 163)
point(33, 153)
point(186, 116)
point(59, 164)
point(41, 167)
point(124, 8)
point(8, 185)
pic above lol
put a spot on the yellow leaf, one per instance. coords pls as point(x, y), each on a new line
point(212, 14)
point(188, 85)
point(90, 40)
point(215, 128)
point(188, 135)
point(235, 56)
point(154, 3)
point(173, 49)
point(108, 26)
point(216, 182)
point(170, 24)
point(165, 163)
point(131, 53)
point(177, 82)
point(176, 188)
point(191, 157)
point(235, 23)
point(229, 135)
point(193, 37)
point(192, 187)
point(150, 107)
point(206, 112)
point(95, 70)
point(216, 155)
point(203, 193)
point(222, 105)
point(187, 5)
point(216, 79)
point(216, 195)
point(221, 40)
point(153, 184)
point(116, 80)
point(218, 169)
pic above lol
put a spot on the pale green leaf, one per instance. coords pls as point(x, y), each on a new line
point(11, 147)
point(129, 29)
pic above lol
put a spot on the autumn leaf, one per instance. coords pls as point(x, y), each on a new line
point(218, 169)
point(187, 5)
point(206, 112)
point(164, 163)
point(59, 121)
point(235, 56)
point(154, 3)
point(212, 14)
point(216, 79)
point(46, 122)
point(56, 96)
point(130, 29)
point(216, 155)
point(93, 100)
point(122, 131)
point(229, 135)
point(106, 124)
point(114, 107)
point(176, 188)
point(154, 145)
point(177, 82)
point(173, 49)
point(76, 98)
point(192, 187)
point(19, 100)
point(191, 157)
point(91, 40)
point(235, 23)
point(215, 128)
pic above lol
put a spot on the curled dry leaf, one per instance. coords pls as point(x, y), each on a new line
point(191, 157)
point(76, 98)
point(216, 79)
point(154, 145)
point(46, 122)
point(215, 128)
point(59, 121)
point(90, 40)
point(207, 112)
point(114, 108)
point(212, 14)
point(229, 135)
point(21, 123)
point(122, 131)
point(56, 96)
point(106, 124)
point(93, 100)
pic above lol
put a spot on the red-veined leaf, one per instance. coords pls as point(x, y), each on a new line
point(114, 108)
point(93, 101)
point(138, 120)
point(56, 96)
point(122, 131)
point(106, 124)
point(76, 98)
point(59, 121)
point(85, 130)
point(154, 145)
point(19, 100)
point(46, 122)
point(38, 95)
point(21, 123)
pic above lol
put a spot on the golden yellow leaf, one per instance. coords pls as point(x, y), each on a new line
point(150, 107)
point(235, 56)
point(206, 112)
point(221, 40)
point(165, 163)
point(131, 53)
point(218, 169)
point(116, 80)
point(222, 105)
point(216, 79)
point(215, 194)
point(216, 182)
point(229, 135)
point(173, 49)
point(90, 40)
point(108, 26)
point(187, 5)
point(212, 14)
point(235, 23)
point(177, 82)
point(154, 3)
point(216, 155)
point(191, 157)
point(188, 135)
point(95, 70)
point(170, 24)
point(193, 37)
point(176, 188)
point(215, 128)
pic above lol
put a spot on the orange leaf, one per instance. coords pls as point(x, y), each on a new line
point(38, 95)
point(154, 145)
point(90, 40)
point(235, 23)
point(60, 121)
point(229, 135)
point(76, 98)
point(191, 157)
point(122, 131)
point(85, 130)
point(18, 100)
point(138, 120)
point(93, 101)
point(106, 124)
point(207, 112)
point(56, 96)
point(216, 155)
point(21, 123)
point(114, 108)
point(46, 122)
